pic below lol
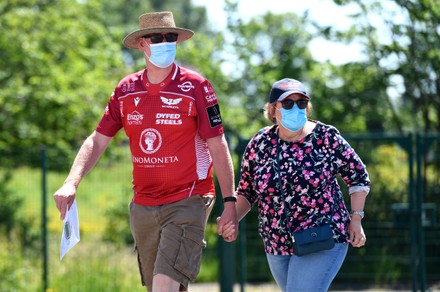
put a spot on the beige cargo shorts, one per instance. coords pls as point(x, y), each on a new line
point(169, 238)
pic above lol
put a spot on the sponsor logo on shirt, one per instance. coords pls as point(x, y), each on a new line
point(106, 111)
point(170, 102)
point(128, 87)
point(168, 119)
point(210, 94)
point(150, 162)
point(121, 108)
point(190, 107)
point(150, 141)
point(214, 115)
point(135, 118)
point(186, 86)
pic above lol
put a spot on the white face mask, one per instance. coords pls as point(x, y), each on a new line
point(162, 54)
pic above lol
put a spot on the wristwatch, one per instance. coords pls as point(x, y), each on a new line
point(360, 213)
point(230, 199)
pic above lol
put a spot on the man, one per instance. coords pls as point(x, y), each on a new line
point(172, 119)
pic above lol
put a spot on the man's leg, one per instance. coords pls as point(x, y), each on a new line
point(146, 233)
point(163, 283)
point(181, 242)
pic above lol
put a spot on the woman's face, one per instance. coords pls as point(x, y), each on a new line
point(288, 103)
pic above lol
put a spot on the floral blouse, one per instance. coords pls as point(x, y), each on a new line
point(308, 175)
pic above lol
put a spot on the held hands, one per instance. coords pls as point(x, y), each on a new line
point(226, 224)
point(64, 198)
point(357, 234)
point(227, 230)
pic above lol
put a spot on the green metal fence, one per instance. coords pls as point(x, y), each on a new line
point(403, 250)
point(402, 229)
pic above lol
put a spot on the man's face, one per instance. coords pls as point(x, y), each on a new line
point(144, 42)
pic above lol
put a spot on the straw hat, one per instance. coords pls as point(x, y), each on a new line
point(156, 22)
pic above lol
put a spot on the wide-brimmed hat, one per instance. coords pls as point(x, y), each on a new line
point(285, 87)
point(156, 22)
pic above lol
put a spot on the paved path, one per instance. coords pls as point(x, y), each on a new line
point(268, 287)
point(215, 287)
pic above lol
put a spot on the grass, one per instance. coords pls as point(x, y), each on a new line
point(18, 270)
point(95, 266)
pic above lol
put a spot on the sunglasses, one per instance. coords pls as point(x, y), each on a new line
point(288, 103)
point(158, 38)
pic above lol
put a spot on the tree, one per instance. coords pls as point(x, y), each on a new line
point(256, 54)
point(404, 53)
point(272, 47)
point(57, 61)
point(60, 61)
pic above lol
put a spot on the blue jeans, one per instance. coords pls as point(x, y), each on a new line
point(314, 272)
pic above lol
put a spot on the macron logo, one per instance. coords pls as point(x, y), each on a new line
point(137, 100)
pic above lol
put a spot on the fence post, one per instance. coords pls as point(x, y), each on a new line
point(226, 253)
point(226, 266)
point(43, 155)
point(414, 212)
point(419, 195)
point(423, 142)
point(242, 259)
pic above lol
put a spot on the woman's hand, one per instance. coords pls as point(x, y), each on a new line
point(357, 234)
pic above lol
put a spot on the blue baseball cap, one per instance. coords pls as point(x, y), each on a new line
point(285, 87)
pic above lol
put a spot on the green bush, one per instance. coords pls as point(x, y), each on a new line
point(117, 227)
point(9, 206)
point(19, 269)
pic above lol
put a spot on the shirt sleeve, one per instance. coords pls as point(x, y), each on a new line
point(111, 121)
point(245, 186)
point(348, 163)
point(208, 111)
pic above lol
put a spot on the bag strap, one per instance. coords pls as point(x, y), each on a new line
point(278, 153)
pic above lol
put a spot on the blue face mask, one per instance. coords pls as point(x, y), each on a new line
point(163, 54)
point(293, 119)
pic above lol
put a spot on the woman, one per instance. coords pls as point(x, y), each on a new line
point(304, 157)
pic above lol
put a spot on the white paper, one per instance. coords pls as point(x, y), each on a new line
point(70, 232)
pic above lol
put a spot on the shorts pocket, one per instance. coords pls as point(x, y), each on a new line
point(189, 257)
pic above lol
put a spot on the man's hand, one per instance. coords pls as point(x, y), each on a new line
point(226, 230)
point(64, 198)
point(227, 224)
